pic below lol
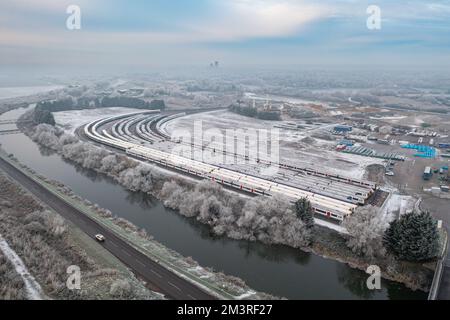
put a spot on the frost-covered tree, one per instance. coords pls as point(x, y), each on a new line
point(47, 136)
point(366, 228)
point(67, 139)
point(305, 212)
point(413, 237)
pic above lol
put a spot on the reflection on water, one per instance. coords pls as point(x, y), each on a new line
point(275, 269)
point(354, 281)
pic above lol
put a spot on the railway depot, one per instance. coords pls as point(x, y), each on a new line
point(333, 196)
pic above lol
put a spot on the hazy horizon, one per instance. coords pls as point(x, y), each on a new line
point(141, 35)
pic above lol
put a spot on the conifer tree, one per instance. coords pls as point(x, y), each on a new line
point(413, 237)
point(305, 212)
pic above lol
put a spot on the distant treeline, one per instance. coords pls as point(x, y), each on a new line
point(44, 109)
point(254, 113)
point(106, 102)
point(410, 108)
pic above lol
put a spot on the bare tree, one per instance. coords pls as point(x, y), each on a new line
point(366, 227)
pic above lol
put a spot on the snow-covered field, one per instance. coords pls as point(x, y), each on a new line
point(34, 290)
point(15, 92)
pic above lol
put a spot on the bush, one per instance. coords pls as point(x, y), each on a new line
point(120, 289)
point(11, 284)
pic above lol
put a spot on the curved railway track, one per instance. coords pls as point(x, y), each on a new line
point(133, 134)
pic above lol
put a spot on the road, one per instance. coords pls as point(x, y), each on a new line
point(444, 286)
point(170, 284)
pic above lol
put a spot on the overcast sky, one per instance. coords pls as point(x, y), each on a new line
point(236, 32)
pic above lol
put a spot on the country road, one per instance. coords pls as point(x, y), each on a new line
point(169, 283)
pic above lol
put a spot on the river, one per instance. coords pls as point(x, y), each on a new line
point(274, 269)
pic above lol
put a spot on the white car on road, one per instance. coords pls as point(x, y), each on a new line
point(100, 238)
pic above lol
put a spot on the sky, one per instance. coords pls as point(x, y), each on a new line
point(140, 34)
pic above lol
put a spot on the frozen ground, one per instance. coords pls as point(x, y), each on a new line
point(14, 92)
point(33, 289)
point(71, 120)
point(397, 204)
